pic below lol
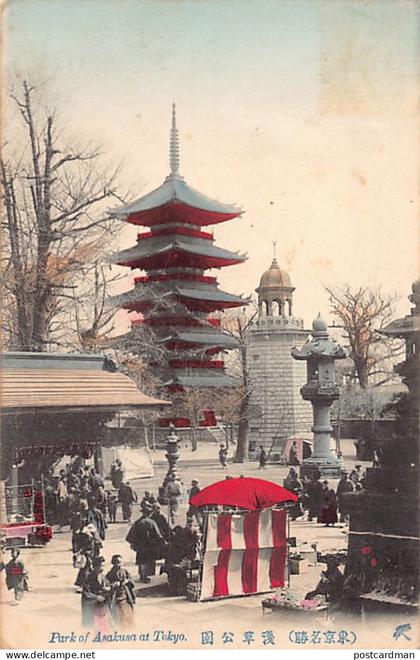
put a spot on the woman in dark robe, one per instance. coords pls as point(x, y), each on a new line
point(88, 547)
point(328, 514)
point(95, 517)
point(293, 455)
point(101, 500)
point(314, 498)
point(96, 599)
point(295, 486)
point(16, 574)
point(123, 596)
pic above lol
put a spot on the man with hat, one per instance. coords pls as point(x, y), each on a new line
point(174, 495)
point(127, 497)
point(161, 521)
point(145, 538)
point(345, 485)
point(193, 511)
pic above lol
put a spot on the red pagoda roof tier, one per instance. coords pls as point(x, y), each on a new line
point(176, 201)
point(192, 305)
point(203, 336)
point(169, 252)
point(204, 299)
point(179, 258)
point(180, 231)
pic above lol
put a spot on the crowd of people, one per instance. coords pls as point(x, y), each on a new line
point(109, 596)
point(77, 497)
point(322, 502)
point(79, 492)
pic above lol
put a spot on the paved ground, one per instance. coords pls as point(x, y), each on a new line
point(52, 605)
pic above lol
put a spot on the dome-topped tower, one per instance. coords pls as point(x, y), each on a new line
point(275, 378)
point(275, 292)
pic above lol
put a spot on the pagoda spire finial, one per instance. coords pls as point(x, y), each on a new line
point(174, 145)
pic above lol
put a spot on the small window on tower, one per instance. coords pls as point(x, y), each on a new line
point(255, 357)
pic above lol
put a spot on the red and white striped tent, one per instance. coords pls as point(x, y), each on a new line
point(244, 549)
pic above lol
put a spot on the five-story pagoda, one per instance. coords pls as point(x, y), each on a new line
point(175, 297)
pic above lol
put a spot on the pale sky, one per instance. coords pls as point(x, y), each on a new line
point(304, 113)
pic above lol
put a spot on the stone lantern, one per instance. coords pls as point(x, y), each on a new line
point(383, 551)
point(172, 457)
point(321, 389)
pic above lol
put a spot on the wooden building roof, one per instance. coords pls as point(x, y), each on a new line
point(54, 382)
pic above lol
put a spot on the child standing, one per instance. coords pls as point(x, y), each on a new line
point(16, 575)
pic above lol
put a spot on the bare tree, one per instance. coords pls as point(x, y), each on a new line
point(237, 325)
point(191, 404)
point(361, 314)
point(54, 198)
point(94, 318)
point(139, 370)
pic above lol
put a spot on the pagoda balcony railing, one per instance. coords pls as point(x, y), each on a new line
point(183, 231)
point(192, 347)
point(145, 279)
point(177, 321)
point(196, 364)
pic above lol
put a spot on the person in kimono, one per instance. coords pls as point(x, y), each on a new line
point(145, 538)
point(117, 474)
point(16, 575)
point(314, 497)
point(161, 521)
point(96, 599)
point(101, 500)
point(89, 546)
point(328, 514)
point(193, 511)
point(262, 459)
point(293, 455)
point(95, 517)
point(62, 500)
point(223, 452)
point(127, 497)
point(345, 485)
point(331, 583)
point(123, 597)
point(112, 506)
point(295, 486)
point(173, 492)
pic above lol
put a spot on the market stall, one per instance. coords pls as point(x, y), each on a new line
point(244, 549)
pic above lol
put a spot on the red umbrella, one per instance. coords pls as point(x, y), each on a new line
point(245, 492)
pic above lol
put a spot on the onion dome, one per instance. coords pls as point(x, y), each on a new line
point(275, 292)
point(275, 277)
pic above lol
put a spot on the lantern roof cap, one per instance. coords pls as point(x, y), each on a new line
point(410, 324)
point(319, 324)
point(320, 345)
